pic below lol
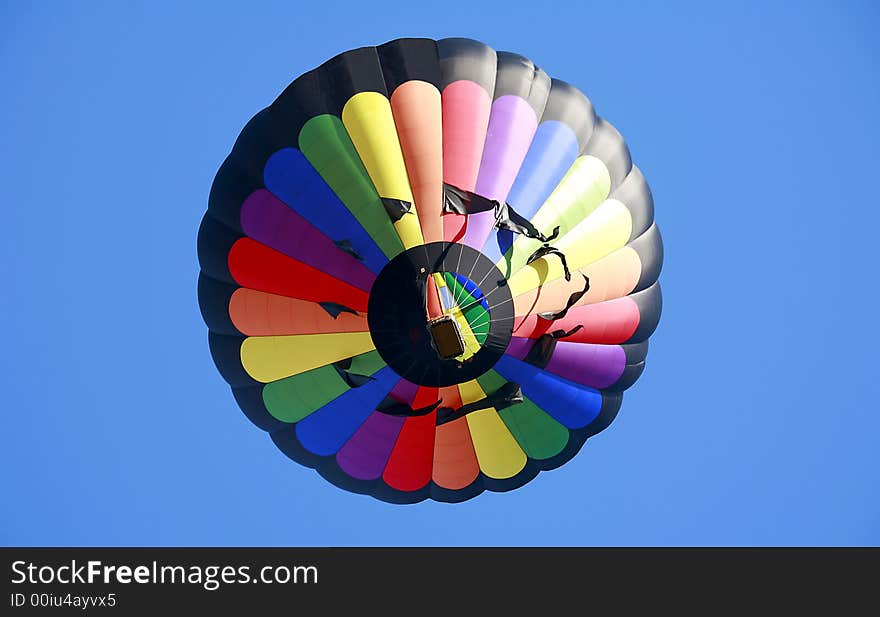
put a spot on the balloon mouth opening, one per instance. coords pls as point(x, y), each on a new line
point(434, 326)
point(446, 337)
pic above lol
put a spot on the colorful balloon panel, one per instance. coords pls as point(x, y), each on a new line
point(428, 269)
point(292, 179)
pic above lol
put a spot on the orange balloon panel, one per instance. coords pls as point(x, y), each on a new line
point(257, 313)
point(613, 276)
point(455, 462)
point(417, 117)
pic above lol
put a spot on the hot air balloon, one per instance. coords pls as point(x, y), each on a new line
point(428, 269)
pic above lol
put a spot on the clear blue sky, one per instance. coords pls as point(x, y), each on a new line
point(756, 421)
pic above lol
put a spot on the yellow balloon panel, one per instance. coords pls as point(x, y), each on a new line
point(268, 358)
point(607, 229)
point(497, 451)
point(369, 121)
point(584, 187)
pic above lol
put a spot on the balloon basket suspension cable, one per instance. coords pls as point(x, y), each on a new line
point(446, 336)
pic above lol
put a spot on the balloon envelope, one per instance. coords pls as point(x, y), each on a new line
point(429, 269)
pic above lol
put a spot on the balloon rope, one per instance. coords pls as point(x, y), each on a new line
point(485, 297)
